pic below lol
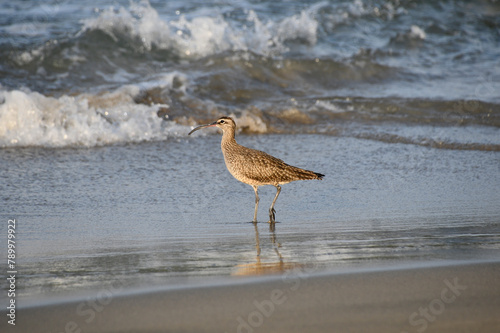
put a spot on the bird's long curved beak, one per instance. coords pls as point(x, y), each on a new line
point(202, 126)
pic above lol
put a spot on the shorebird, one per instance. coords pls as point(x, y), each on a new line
point(254, 167)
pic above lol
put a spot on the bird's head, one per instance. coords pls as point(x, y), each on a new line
point(226, 124)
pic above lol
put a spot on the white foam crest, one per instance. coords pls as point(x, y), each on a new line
point(417, 32)
point(32, 119)
point(204, 35)
point(331, 107)
point(140, 22)
point(303, 26)
point(250, 121)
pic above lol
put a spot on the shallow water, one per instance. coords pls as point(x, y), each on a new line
point(169, 213)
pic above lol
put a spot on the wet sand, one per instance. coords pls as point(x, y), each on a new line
point(453, 297)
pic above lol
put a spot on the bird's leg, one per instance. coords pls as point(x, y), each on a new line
point(256, 188)
point(272, 212)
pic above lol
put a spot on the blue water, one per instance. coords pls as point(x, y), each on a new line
point(84, 73)
point(394, 101)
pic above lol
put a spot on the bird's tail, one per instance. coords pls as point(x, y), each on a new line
point(306, 174)
point(319, 175)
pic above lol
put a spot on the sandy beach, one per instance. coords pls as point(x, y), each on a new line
point(454, 297)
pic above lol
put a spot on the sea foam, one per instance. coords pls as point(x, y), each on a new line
point(32, 119)
point(204, 35)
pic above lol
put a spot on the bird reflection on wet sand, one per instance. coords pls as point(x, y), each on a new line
point(259, 267)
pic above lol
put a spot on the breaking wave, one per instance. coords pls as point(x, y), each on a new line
point(392, 71)
point(32, 119)
point(131, 114)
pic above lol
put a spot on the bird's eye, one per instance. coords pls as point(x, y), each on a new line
point(222, 122)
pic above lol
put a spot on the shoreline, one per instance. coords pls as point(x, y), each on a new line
point(444, 297)
point(160, 220)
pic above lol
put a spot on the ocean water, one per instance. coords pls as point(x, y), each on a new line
point(86, 73)
point(397, 102)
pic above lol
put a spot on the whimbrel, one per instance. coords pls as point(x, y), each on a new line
point(254, 167)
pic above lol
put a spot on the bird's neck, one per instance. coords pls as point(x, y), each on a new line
point(228, 140)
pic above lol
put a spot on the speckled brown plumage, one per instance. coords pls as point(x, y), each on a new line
point(254, 167)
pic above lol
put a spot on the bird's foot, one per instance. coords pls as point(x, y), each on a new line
point(272, 215)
